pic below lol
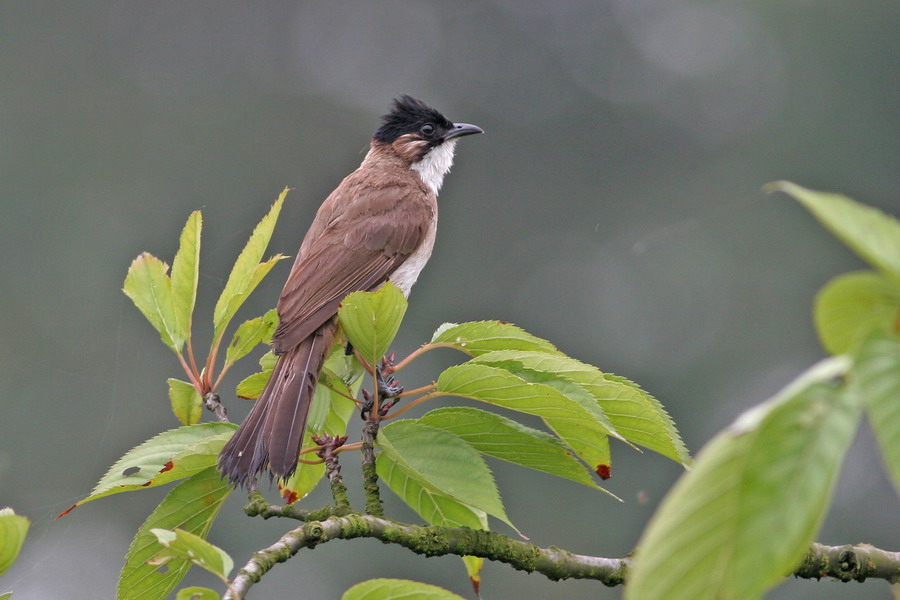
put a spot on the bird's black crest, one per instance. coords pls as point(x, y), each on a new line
point(407, 116)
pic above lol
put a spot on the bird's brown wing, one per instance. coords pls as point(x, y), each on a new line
point(377, 230)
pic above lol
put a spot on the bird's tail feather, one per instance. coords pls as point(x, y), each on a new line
point(273, 430)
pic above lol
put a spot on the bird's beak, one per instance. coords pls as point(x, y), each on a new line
point(461, 129)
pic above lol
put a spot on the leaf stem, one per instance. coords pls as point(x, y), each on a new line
point(416, 402)
point(192, 375)
point(422, 350)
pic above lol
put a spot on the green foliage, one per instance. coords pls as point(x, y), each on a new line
point(370, 320)
point(744, 516)
point(13, 529)
point(873, 235)
point(197, 593)
point(182, 545)
point(169, 456)
point(441, 463)
point(168, 304)
point(486, 336)
point(186, 401)
point(853, 306)
point(192, 506)
point(247, 272)
point(499, 437)
point(250, 334)
point(394, 589)
point(877, 371)
point(731, 527)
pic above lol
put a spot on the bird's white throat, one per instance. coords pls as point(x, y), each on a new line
point(435, 165)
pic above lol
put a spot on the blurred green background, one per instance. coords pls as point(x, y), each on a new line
point(613, 206)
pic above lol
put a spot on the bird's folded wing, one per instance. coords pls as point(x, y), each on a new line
point(375, 234)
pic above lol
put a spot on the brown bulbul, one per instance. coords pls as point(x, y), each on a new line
point(378, 225)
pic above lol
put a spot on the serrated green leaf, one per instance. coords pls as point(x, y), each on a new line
point(634, 413)
point(877, 375)
point(248, 271)
point(252, 386)
point(185, 273)
point(397, 589)
point(435, 507)
point(518, 363)
point(870, 233)
point(249, 334)
point(852, 306)
point(182, 545)
point(13, 529)
point(149, 287)
point(371, 319)
point(441, 462)
point(573, 423)
point(148, 464)
point(508, 440)
point(479, 337)
point(744, 516)
point(186, 401)
point(192, 506)
point(197, 593)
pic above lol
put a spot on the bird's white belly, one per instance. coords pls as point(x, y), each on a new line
point(407, 273)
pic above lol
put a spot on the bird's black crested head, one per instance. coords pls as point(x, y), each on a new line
point(411, 116)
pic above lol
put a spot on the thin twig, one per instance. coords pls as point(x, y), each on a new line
point(422, 350)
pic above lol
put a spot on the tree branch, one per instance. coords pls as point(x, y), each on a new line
point(844, 563)
point(850, 563)
point(370, 477)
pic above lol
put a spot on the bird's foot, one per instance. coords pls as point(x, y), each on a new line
point(389, 389)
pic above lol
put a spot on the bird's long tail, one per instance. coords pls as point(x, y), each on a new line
point(273, 430)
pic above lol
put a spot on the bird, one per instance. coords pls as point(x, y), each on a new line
point(378, 225)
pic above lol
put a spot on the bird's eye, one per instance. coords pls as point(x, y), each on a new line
point(426, 129)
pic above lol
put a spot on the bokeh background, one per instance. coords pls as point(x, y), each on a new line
point(613, 206)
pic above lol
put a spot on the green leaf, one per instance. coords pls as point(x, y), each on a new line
point(634, 413)
point(185, 273)
point(744, 516)
point(6, 596)
point(13, 529)
point(852, 306)
point(153, 463)
point(371, 319)
point(192, 506)
point(397, 589)
point(870, 233)
point(248, 271)
point(252, 386)
point(149, 287)
point(179, 544)
point(474, 565)
point(877, 370)
point(519, 364)
point(479, 337)
point(441, 462)
point(434, 506)
point(572, 422)
point(197, 593)
point(249, 334)
point(186, 401)
point(508, 440)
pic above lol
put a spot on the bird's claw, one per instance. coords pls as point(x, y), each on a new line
point(388, 389)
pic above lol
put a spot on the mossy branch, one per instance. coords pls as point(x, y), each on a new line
point(844, 563)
